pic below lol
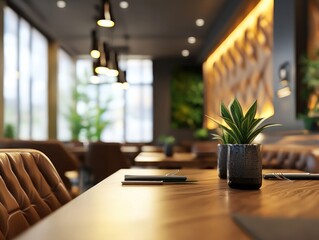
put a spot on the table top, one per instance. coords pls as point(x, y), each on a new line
point(178, 160)
point(201, 210)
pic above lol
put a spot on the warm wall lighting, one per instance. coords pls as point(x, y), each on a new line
point(247, 23)
point(284, 80)
point(242, 65)
point(106, 19)
point(284, 92)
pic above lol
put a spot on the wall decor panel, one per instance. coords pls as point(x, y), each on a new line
point(241, 66)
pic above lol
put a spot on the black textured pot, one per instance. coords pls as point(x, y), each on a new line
point(244, 166)
point(168, 149)
point(222, 151)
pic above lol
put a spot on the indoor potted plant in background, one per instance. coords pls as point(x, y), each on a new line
point(9, 131)
point(244, 166)
point(168, 142)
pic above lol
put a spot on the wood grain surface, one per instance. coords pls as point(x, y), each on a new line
point(202, 210)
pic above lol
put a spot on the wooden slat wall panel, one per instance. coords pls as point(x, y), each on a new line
point(242, 66)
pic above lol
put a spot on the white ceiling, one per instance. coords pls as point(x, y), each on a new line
point(157, 28)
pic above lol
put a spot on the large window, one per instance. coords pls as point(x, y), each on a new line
point(139, 101)
point(25, 77)
point(130, 111)
point(66, 83)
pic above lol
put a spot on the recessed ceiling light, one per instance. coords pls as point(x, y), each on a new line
point(61, 4)
point(191, 40)
point(124, 4)
point(200, 22)
point(185, 53)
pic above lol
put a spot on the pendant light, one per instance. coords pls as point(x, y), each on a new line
point(95, 79)
point(106, 17)
point(95, 53)
point(101, 67)
point(112, 65)
point(125, 84)
point(121, 80)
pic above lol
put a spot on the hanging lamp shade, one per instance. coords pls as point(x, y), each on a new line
point(95, 53)
point(125, 84)
point(106, 18)
point(95, 79)
point(121, 80)
point(112, 65)
point(101, 67)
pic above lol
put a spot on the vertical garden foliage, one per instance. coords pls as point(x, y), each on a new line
point(187, 98)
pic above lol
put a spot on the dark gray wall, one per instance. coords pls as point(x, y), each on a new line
point(162, 70)
point(284, 49)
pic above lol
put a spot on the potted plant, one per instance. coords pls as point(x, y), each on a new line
point(9, 131)
point(244, 166)
point(222, 152)
point(167, 141)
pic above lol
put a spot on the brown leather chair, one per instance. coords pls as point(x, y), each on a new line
point(104, 159)
point(305, 158)
point(30, 189)
point(62, 159)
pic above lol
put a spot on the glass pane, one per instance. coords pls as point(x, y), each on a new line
point(129, 112)
point(147, 73)
point(24, 80)
point(139, 114)
point(66, 83)
point(139, 71)
point(113, 98)
point(10, 68)
point(133, 71)
point(39, 83)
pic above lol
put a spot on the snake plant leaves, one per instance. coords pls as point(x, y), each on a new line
point(241, 128)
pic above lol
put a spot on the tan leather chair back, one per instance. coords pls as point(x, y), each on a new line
point(62, 159)
point(30, 189)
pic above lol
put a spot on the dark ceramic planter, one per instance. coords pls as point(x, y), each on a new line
point(168, 150)
point(222, 152)
point(244, 167)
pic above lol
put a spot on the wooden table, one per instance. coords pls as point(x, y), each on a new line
point(178, 160)
point(202, 210)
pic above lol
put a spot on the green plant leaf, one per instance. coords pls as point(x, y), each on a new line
point(254, 133)
point(231, 133)
point(255, 124)
point(225, 112)
point(230, 123)
point(218, 137)
point(251, 113)
point(241, 128)
point(236, 112)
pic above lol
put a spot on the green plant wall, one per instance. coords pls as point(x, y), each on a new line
point(187, 98)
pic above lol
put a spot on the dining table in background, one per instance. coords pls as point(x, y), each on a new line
point(177, 160)
point(199, 210)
